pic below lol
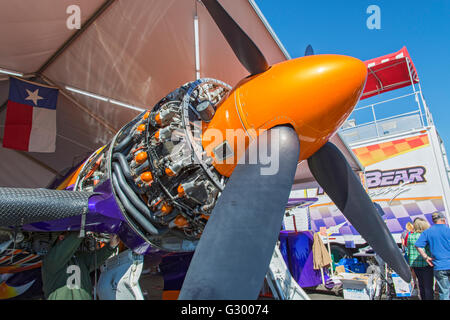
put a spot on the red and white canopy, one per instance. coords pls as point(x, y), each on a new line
point(390, 72)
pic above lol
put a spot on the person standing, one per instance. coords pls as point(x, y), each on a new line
point(66, 272)
point(419, 266)
point(438, 239)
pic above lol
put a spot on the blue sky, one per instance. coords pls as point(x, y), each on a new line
point(333, 26)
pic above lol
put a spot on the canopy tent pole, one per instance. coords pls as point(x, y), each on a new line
point(61, 50)
point(79, 105)
point(25, 76)
point(414, 90)
point(197, 48)
point(75, 36)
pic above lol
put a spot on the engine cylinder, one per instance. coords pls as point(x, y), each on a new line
point(171, 184)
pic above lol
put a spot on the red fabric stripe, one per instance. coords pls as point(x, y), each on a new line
point(19, 118)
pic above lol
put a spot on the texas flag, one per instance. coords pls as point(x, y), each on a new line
point(30, 123)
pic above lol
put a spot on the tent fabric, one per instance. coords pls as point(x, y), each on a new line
point(31, 31)
point(135, 52)
point(155, 52)
point(390, 72)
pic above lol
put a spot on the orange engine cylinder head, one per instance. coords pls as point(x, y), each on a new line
point(147, 177)
point(181, 221)
point(141, 128)
point(169, 172)
point(166, 209)
point(180, 191)
point(158, 118)
point(141, 157)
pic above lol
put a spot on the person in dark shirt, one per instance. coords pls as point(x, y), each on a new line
point(438, 240)
point(66, 272)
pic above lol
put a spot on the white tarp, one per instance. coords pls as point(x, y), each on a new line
point(136, 51)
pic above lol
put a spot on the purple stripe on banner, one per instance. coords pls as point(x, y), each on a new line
point(413, 209)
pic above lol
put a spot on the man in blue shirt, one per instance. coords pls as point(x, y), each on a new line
point(437, 238)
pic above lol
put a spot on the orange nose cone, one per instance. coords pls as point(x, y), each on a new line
point(313, 94)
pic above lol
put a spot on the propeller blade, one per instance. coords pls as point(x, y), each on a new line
point(233, 255)
point(309, 51)
point(331, 170)
point(19, 206)
point(244, 48)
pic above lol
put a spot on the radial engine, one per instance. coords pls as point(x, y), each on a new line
point(163, 181)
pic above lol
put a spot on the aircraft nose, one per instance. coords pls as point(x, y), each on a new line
point(319, 91)
point(314, 94)
point(342, 76)
point(336, 83)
